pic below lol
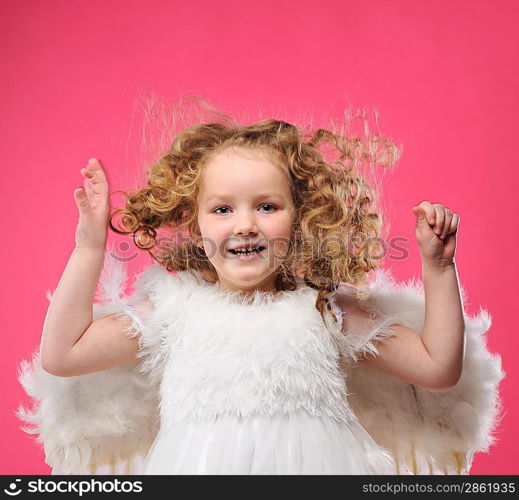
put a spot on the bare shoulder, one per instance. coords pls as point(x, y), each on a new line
point(356, 315)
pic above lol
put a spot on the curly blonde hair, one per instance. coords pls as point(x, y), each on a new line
point(335, 222)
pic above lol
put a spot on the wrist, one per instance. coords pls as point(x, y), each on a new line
point(91, 251)
point(439, 265)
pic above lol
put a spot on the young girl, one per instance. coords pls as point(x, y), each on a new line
point(255, 345)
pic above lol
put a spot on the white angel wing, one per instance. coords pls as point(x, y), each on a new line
point(104, 422)
point(428, 432)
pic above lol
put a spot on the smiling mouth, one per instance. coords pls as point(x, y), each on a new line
point(246, 252)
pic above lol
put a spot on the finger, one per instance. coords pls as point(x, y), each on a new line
point(87, 185)
point(99, 187)
point(454, 223)
point(447, 224)
point(97, 176)
point(429, 211)
point(440, 218)
point(421, 216)
point(92, 163)
point(81, 199)
point(95, 166)
point(87, 172)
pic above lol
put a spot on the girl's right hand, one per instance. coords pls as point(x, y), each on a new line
point(94, 207)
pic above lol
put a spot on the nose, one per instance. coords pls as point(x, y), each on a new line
point(245, 224)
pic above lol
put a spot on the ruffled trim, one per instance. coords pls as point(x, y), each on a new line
point(252, 299)
point(355, 345)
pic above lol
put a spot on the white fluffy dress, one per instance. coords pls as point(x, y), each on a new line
point(227, 385)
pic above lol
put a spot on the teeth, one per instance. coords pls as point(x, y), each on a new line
point(245, 252)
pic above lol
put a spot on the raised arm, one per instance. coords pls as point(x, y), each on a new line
point(72, 343)
point(432, 358)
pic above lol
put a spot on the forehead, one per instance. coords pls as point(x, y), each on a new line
point(239, 170)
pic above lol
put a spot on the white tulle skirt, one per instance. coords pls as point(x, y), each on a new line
point(283, 444)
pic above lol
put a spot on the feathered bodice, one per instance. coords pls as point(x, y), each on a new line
point(223, 353)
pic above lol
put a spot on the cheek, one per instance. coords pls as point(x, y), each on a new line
point(278, 233)
point(209, 228)
point(279, 227)
point(215, 236)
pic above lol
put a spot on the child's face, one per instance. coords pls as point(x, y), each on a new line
point(244, 199)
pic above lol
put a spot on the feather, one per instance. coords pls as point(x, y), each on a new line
point(99, 421)
point(427, 431)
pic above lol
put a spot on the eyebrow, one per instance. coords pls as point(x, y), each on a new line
point(230, 197)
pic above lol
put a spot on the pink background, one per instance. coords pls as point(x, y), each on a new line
point(442, 73)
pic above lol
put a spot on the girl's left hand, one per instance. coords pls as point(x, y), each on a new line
point(436, 231)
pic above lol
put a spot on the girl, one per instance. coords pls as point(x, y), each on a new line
point(266, 352)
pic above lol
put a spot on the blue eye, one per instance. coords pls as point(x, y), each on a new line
point(215, 210)
point(268, 205)
point(264, 205)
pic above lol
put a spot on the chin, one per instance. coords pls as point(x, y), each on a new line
point(247, 279)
